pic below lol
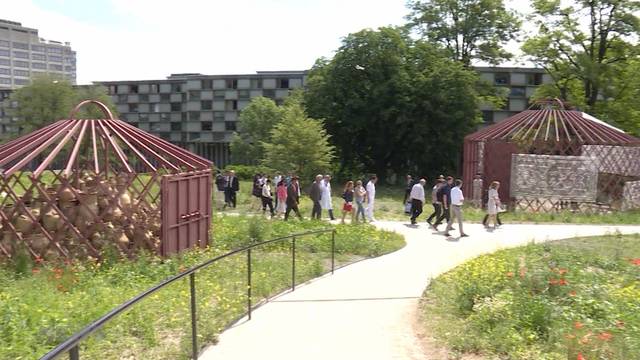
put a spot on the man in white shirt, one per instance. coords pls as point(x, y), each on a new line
point(417, 200)
point(457, 200)
point(371, 197)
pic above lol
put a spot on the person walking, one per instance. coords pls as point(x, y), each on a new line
point(457, 200)
point(281, 195)
point(293, 198)
point(316, 195)
point(347, 195)
point(408, 189)
point(444, 197)
point(437, 205)
point(361, 196)
point(493, 205)
point(371, 197)
point(256, 192)
point(221, 200)
point(417, 200)
point(276, 180)
point(477, 191)
point(267, 199)
point(325, 201)
point(232, 186)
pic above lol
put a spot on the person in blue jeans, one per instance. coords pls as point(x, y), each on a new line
point(360, 194)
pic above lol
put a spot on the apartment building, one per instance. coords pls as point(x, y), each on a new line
point(24, 54)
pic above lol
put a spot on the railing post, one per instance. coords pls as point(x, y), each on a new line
point(74, 353)
point(333, 250)
point(293, 264)
point(194, 329)
point(249, 285)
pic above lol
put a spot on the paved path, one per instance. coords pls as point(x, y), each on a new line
point(366, 310)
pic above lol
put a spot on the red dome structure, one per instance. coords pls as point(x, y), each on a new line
point(78, 186)
point(549, 129)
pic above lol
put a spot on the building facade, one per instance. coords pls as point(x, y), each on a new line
point(24, 54)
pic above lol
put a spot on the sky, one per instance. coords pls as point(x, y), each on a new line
point(151, 39)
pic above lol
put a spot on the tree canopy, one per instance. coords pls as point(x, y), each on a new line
point(392, 104)
point(469, 29)
point(255, 125)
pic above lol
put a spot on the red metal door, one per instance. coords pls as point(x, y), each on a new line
point(186, 211)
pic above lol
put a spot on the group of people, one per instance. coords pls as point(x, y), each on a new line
point(282, 195)
point(447, 200)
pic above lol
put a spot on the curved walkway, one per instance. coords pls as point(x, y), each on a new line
point(366, 310)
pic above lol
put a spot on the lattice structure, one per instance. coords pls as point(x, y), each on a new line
point(79, 187)
point(549, 129)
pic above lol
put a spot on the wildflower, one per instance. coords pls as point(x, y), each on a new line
point(580, 357)
point(562, 271)
point(585, 339)
point(605, 336)
point(554, 281)
point(572, 293)
point(38, 260)
point(635, 262)
point(562, 282)
point(510, 274)
point(578, 325)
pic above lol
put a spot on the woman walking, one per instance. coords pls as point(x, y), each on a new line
point(325, 200)
point(256, 192)
point(347, 195)
point(360, 195)
point(267, 200)
point(493, 204)
point(281, 194)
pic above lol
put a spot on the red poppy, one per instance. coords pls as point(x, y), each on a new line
point(562, 282)
point(580, 357)
point(635, 262)
point(605, 336)
point(578, 325)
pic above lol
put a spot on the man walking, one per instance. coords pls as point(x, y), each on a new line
point(417, 200)
point(371, 197)
point(276, 182)
point(437, 205)
point(220, 191)
point(316, 195)
point(457, 200)
point(408, 189)
point(444, 197)
point(293, 198)
point(232, 186)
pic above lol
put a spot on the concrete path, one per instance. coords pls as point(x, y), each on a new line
point(367, 310)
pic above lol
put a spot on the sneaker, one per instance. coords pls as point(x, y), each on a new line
point(464, 235)
point(447, 234)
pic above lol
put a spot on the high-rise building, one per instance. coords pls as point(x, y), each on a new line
point(24, 54)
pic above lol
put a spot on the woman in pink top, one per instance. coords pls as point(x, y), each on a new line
point(281, 193)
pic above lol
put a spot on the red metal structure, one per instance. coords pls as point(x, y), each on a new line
point(547, 128)
point(79, 186)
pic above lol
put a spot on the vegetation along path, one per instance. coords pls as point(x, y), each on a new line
point(367, 310)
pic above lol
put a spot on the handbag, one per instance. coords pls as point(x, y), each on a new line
point(407, 208)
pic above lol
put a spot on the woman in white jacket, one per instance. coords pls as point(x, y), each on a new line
point(325, 200)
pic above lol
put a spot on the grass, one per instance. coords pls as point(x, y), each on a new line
point(570, 299)
point(41, 307)
point(389, 207)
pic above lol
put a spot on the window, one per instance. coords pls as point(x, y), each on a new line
point(155, 108)
point(154, 126)
point(176, 126)
point(133, 108)
point(534, 79)
point(176, 106)
point(54, 50)
point(183, 116)
point(5, 81)
point(133, 89)
point(194, 115)
point(122, 98)
point(218, 95)
point(256, 83)
point(176, 87)
point(230, 125)
point(206, 84)
point(143, 117)
point(21, 54)
point(165, 97)
point(22, 64)
point(270, 93)
point(487, 116)
point(206, 126)
point(154, 88)
point(283, 83)
point(37, 48)
point(4, 53)
point(231, 105)
point(232, 84)
point(55, 67)
point(38, 65)
point(5, 62)
point(21, 81)
point(4, 43)
point(194, 95)
point(501, 78)
point(143, 98)
point(518, 91)
point(206, 104)
point(194, 136)
point(40, 57)
point(5, 71)
point(24, 73)
point(55, 58)
point(20, 45)
point(243, 94)
point(218, 116)
point(164, 116)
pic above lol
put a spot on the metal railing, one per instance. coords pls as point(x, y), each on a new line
point(72, 344)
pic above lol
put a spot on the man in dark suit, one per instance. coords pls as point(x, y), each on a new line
point(231, 188)
point(293, 198)
point(316, 194)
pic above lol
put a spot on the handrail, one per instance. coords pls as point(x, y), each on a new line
point(71, 344)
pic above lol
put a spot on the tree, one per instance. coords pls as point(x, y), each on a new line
point(469, 29)
point(255, 125)
point(49, 98)
point(588, 42)
point(392, 104)
point(298, 143)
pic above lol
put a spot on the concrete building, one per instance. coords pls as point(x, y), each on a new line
point(24, 54)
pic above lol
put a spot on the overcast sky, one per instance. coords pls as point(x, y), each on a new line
point(150, 39)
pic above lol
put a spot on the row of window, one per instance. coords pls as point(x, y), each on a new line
point(195, 95)
point(6, 81)
point(26, 73)
point(39, 57)
point(178, 126)
point(38, 48)
point(206, 84)
point(504, 78)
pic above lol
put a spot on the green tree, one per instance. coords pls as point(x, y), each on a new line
point(469, 29)
point(392, 104)
point(255, 125)
point(588, 42)
point(298, 143)
point(93, 92)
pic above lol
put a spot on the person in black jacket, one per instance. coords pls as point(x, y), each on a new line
point(232, 186)
point(444, 197)
point(293, 198)
point(316, 194)
point(407, 190)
